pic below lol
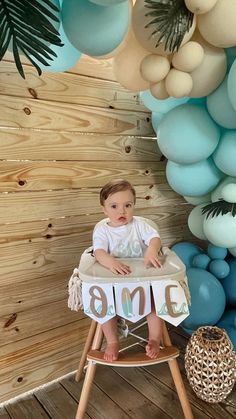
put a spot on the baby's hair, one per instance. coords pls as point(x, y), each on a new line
point(114, 186)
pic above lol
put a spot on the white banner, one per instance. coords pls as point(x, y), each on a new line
point(133, 300)
point(98, 301)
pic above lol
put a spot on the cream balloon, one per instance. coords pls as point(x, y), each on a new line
point(229, 192)
point(218, 25)
point(211, 72)
point(158, 90)
point(178, 83)
point(197, 200)
point(217, 193)
point(154, 68)
point(126, 65)
point(144, 35)
point(195, 222)
point(189, 57)
point(200, 6)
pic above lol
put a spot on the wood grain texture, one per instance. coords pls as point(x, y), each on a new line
point(26, 144)
point(68, 88)
point(29, 113)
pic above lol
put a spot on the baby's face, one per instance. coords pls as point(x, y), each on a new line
point(119, 207)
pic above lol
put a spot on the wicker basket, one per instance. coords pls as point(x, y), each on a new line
point(210, 363)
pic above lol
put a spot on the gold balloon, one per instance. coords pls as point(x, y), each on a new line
point(178, 83)
point(154, 68)
point(144, 35)
point(126, 65)
point(189, 56)
point(158, 90)
point(200, 6)
point(218, 25)
point(211, 72)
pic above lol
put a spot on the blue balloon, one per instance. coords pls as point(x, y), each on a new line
point(220, 108)
point(193, 179)
point(230, 55)
point(216, 252)
point(186, 252)
point(160, 105)
point(224, 156)
point(67, 56)
point(220, 268)
point(187, 134)
point(92, 29)
point(229, 284)
point(207, 299)
point(201, 261)
point(228, 322)
point(156, 119)
point(232, 84)
point(107, 2)
point(197, 101)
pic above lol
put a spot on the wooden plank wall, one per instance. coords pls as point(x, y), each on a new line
point(62, 136)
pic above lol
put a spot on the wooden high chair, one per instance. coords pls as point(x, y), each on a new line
point(93, 356)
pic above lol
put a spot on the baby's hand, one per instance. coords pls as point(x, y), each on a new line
point(119, 268)
point(151, 258)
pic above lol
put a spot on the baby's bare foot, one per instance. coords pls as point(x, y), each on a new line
point(153, 348)
point(111, 352)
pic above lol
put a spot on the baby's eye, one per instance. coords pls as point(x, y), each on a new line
point(128, 205)
point(113, 206)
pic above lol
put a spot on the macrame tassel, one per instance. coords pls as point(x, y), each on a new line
point(75, 291)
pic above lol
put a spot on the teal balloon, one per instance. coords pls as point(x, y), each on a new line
point(186, 252)
point(207, 299)
point(197, 101)
point(224, 156)
point(67, 56)
point(193, 179)
point(160, 105)
point(229, 284)
point(156, 119)
point(95, 30)
point(220, 268)
point(216, 252)
point(220, 108)
point(187, 134)
point(230, 56)
point(228, 322)
point(107, 2)
point(201, 261)
point(232, 84)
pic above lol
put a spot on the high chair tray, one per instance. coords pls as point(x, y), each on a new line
point(172, 267)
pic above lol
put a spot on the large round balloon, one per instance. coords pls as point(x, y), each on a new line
point(218, 25)
point(204, 289)
point(224, 156)
point(92, 29)
point(195, 222)
point(230, 55)
point(218, 191)
point(221, 229)
point(144, 34)
point(126, 64)
point(158, 105)
point(228, 322)
point(229, 284)
point(187, 134)
point(67, 56)
point(211, 72)
point(197, 200)
point(186, 252)
point(220, 108)
point(231, 86)
point(193, 179)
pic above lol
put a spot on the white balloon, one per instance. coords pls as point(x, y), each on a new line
point(195, 222)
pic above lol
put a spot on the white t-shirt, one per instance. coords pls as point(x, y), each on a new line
point(129, 240)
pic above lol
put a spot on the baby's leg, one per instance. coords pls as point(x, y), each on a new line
point(110, 331)
point(155, 332)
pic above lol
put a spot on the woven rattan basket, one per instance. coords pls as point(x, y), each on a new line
point(210, 363)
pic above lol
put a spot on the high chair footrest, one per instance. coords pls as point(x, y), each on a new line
point(135, 359)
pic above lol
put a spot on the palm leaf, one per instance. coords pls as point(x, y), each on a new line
point(27, 26)
point(220, 207)
point(171, 20)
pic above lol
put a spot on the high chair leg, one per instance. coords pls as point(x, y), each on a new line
point(179, 385)
point(89, 376)
point(87, 346)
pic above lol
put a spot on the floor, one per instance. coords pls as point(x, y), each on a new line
point(121, 393)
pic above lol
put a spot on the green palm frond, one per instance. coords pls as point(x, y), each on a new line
point(220, 207)
point(170, 20)
point(26, 26)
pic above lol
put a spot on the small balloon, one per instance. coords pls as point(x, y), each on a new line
point(220, 268)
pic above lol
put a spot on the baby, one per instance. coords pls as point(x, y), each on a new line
point(124, 235)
